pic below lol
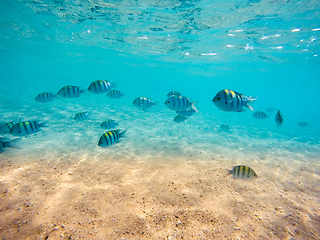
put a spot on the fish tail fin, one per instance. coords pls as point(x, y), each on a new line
point(43, 124)
point(249, 101)
point(13, 143)
point(229, 172)
point(122, 134)
point(193, 105)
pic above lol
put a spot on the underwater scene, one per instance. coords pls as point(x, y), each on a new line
point(159, 119)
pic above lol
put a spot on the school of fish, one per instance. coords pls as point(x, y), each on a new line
point(226, 100)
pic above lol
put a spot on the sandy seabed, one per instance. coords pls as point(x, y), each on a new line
point(156, 199)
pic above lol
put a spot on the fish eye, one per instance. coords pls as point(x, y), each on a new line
point(226, 103)
point(218, 98)
point(168, 101)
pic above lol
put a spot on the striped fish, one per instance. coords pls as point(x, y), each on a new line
point(173, 93)
point(279, 118)
point(179, 103)
point(187, 113)
point(242, 172)
point(303, 124)
point(70, 92)
point(81, 116)
point(179, 119)
point(5, 127)
point(225, 127)
point(259, 115)
point(5, 143)
point(115, 94)
point(111, 137)
point(99, 86)
point(26, 128)
point(231, 101)
point(144, 103)
point(45, 97)
point(109, 123)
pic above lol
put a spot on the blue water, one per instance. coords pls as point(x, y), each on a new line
point(265, 49)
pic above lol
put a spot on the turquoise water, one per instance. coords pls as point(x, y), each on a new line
point(265, 49)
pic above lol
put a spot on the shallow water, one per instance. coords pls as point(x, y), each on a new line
point(163, 180)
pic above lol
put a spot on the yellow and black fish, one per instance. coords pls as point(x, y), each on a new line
point(100, 86)
point(110, 137)
point(242, 172)
point(26, 128)
point(173, 93)
point(70, 92)
point(82, 116)
point(279, 118)
point(109, 123)
point(232, 101)
point(259, 115)
point(45, 97)
point(115, 94)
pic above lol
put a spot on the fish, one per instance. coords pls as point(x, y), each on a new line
point(45, 97)
point(259, 115)
point(5, 143)
point(187, 113)
point(303, 124)
point(115, 94)
point(225, 127)
point(173, 93)
point(231, 101)
point(99, 86)
point(179, 119)
point(270, 110)
point(81, 116)
point(179, 103)
point(70, 92)
point(5, 127)
point(26, 128)
point(242, 172)
point(109, 123)
point(144, 103)
point(111, 137)
point(279, 118)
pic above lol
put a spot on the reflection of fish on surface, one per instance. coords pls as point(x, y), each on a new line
point(242, 172)
point(111, 137)
point(231, 101)
point(303, 124)
point(5, 143)
point(82, 116)
point(70, 92)
point(279, 118)
point(45, 97)
point(143, 103)
point(179, 103)
point(179, 119)
point(26, 128)
point(109, 123)
point(225, 127)
point(99, 86)
point(259, 115)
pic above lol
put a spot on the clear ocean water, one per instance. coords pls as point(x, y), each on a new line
point(262, 48)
